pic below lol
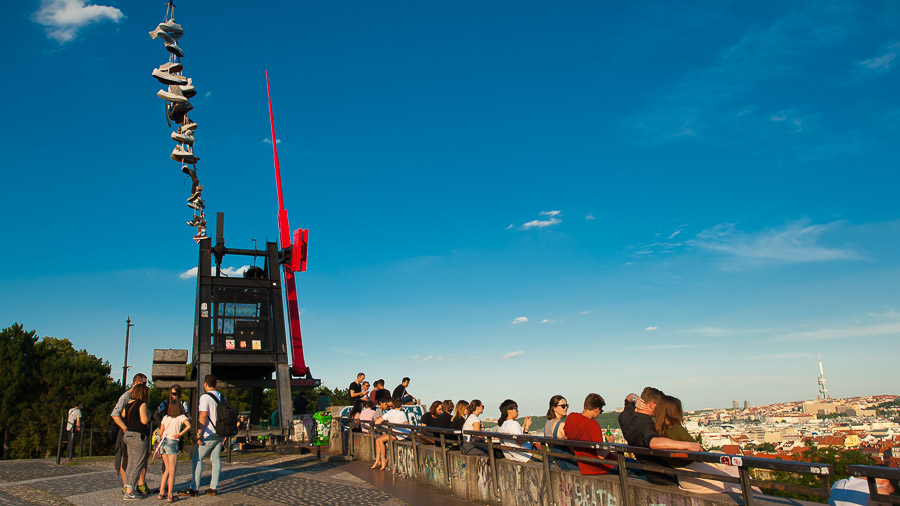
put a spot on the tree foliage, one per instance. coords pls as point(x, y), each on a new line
point(41, 380)
point(841, 459)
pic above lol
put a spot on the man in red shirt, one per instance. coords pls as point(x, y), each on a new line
point(584, 427)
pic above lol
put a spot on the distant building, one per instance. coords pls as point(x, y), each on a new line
point(734, 404)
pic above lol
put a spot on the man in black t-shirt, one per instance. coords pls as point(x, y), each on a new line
point(357, 394)
point(639, 429)
point(401, 393)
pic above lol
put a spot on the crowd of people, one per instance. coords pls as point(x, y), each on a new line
point(651, 420)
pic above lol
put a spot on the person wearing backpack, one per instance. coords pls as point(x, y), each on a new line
point(208, 441)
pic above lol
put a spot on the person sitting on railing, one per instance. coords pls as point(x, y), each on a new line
point(379, 394)
point(639, 429)
point(555, 428)
point(366, 415)
point(584, 427)
point(669, 416)
point(459, 416)
point(394, 416)
point(509, 411)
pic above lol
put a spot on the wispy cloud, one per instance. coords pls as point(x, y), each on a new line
point(440, 358)
point(269, 141)
point(886, 59)
point(795, 242)
point(347, 351)
point(512, 354)
point(520, 319)
point(62, 19)
point(209, 94)
point(590, 217)
point(850, 332)
point(656, 347)
point(227, 271)
point(551, 213)
point(586, 312)
point(545, 320)
point(791, 117)
point(651, 328)
point(887, 314)
point(541, 223)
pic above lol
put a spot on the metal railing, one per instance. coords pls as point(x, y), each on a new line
point(416, 434)
point(871, 473)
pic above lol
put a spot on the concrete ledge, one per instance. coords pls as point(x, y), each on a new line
point(520, 484)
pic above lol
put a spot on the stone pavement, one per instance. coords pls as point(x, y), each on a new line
point(262, 479)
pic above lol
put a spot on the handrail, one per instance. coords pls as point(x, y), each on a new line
point(870, 473)
point(744, 464)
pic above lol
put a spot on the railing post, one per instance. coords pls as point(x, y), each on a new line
point(91, 442)
point(446, 462)
point(350, 435)
point(546, 466)
point(62, 426)
point(412, 434)
point(746, 491)
point(372, 438)
point(490, 441)
point(623, 478)
point(827, 487)
point(390, 446)
point(80, 443)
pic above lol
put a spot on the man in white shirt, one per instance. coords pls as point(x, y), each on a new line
point(208, 442)
point(73, 425)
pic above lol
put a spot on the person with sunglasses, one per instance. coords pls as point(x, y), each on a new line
point(584, 427)
point(556, 428)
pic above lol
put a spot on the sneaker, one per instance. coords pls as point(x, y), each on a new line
point(178, 112)
point(211, 491)
point(197, 239)
point(188, 89)
point(143, 489)
point(196, 194)
point(187, 493)
point(129, 497)
point(159, 32)
point(194, 222)
point(167, 78)
point(187, 127)
point(173, 48)
point(184, 154)
point(198, 205)
point(183, 138)
point(173, 67)
point(174, 95)
point(172, 28)
point(187, 170)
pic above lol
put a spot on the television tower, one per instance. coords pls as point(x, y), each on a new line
point(823, 392)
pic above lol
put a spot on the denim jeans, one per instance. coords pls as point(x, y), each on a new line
point(212, 446)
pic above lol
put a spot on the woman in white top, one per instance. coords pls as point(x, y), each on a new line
point(472, 422)
point(174, 425)
point(509, 410)
point(394, 416)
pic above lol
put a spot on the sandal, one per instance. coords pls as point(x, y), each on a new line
point(161, 497)
point(172, 498)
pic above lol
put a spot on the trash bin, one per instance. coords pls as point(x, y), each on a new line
point(323, 428)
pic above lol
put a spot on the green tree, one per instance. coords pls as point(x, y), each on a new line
point(16, 355)
point(841, 459)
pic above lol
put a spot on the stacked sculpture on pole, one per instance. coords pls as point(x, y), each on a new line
point(180, 90)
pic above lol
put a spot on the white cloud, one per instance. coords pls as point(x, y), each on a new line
point(512, 354)
point(550, 213)
point(590, 217)
point(655, 347)
point(520, 319)
point(545, 320)
point(541, 223)
point(586, 312)
point(795, 242)
point(651, 328)
point(63, 18)
point(227, 271)
point(510, 226)
point(889, 314)
point(269, 141)
point(209, 94)
point(347, 351)
point(884, 61)
point(786, 355)
point(673, 234)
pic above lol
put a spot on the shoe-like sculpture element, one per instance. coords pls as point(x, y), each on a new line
point(172, 67)
point(198, 205)
point(173, 48)
point(185, 138)
point(160, 33)
point(174, 95)
point(173, 28)
point(188, 89)
point(189, 126)
point(178, 112)
point(167, 78)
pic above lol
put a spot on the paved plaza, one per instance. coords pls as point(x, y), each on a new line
point(262, 479)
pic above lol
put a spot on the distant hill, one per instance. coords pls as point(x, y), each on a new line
point(610, 420)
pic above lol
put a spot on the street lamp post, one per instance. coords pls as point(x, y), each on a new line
point(128, 326)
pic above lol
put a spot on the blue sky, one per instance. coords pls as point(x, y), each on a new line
point(505, 199)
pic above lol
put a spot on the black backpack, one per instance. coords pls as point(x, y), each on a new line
point(226, 417)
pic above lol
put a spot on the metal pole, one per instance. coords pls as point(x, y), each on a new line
point(62, 425)
point(128, 326)
point(623, 478)
point(496, 483)
point(91, 444)
point(546, 467)
point(81, 442)
point(746, 491)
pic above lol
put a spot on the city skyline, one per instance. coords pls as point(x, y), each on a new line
point(504, 200)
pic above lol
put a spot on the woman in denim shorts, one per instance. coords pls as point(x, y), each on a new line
point(174, 425)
